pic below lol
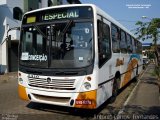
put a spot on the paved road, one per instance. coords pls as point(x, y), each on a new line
point(11, 107)
point(144, 102)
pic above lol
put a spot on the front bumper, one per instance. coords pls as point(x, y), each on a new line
point(85, 100)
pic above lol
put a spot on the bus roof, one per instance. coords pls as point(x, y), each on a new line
point(61, 6)
point(97, 9)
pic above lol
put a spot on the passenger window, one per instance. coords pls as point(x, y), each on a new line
point(115, 39)
point(123, 43)
point(129, 44)
point(104, 47)
point(134, 45)
point(139, 50)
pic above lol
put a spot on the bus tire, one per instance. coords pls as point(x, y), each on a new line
point(114, 90)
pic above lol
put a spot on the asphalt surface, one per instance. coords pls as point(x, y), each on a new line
point(144, 102)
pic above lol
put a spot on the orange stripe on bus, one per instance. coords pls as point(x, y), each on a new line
point(88, 100)
point(130, 68)
point(22, 92)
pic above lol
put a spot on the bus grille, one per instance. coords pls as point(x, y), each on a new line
point(52, 99)
point(57, 84)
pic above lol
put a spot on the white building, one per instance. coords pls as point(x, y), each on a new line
point(11, 12)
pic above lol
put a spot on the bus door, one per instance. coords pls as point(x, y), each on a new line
point(104, 58)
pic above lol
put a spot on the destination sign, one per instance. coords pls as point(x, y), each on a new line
point(81, 12)
point(62, 15)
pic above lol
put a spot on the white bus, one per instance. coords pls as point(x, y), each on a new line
point(75, 55)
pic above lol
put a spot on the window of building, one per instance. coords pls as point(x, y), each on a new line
point(17, 13)
point(50, 3)
point(32, 5)
point(104, 46)
point(115, 39)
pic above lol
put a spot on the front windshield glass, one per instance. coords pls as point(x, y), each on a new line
point(57, 45)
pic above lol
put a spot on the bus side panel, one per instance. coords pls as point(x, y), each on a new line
point(105, 81)
point(125, 70)
point(131, 69)
point(104, 91)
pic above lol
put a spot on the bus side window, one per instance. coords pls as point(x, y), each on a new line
point(139, 48)
point(129, 44)
point(115, 39)
point(123, 42)
point(136, 47)
point(133, 43)
point(104, 47)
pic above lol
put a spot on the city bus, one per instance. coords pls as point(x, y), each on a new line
point(75, 56)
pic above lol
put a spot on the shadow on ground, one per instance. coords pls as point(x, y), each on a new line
point(106, 108)
point(83, 113)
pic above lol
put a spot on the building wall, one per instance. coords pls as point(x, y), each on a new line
point(2, 27)
point(7, 21)
point(30, 5)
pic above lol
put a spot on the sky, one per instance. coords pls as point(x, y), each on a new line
point(128, 12)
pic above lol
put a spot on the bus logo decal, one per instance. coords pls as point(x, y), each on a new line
point(33, 76)
point(49, 80)
point(26, 56)
point(119, 62)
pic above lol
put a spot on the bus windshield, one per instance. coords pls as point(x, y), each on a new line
point(65, 44)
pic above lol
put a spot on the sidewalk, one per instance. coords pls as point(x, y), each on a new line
point(144, 102)
point(8, 76)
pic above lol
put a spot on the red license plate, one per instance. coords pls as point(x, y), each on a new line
point(83, 102)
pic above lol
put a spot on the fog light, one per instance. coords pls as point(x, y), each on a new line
point(87, 85)
point(71, 102)
point(20, 80)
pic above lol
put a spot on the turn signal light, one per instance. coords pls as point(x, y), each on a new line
point(89, 78)
point(19, 74)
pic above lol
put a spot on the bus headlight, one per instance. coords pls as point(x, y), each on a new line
point(87, 85)
point(20, 80)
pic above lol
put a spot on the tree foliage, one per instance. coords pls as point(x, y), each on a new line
point(150, 29)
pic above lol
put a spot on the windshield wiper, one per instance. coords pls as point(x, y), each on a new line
point(70, 22)
point(39, 30)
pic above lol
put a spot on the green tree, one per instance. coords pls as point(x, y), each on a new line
point(150, 30)
point(151, 55)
